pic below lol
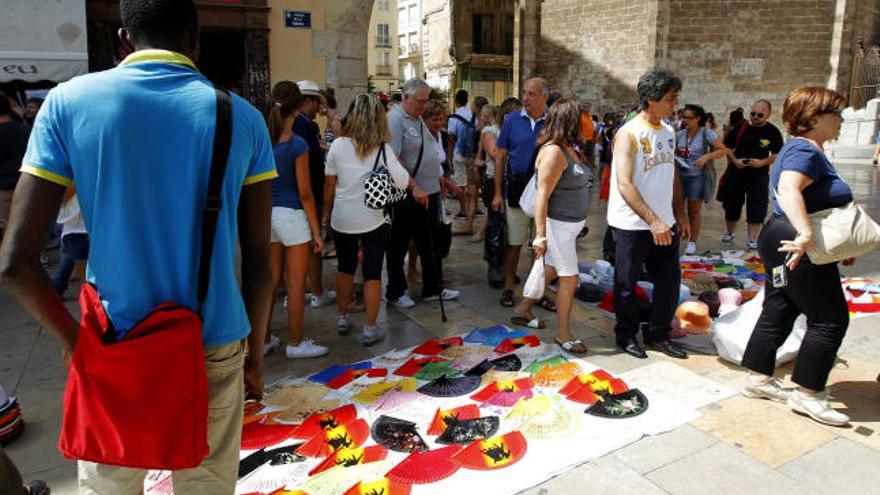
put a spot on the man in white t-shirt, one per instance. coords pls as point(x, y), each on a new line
point(646, 211)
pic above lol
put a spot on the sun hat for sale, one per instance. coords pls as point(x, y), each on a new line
point(730, 299)
point(693, 316)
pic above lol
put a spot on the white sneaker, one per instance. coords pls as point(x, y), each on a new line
point(270, 346)
point(328, 297)
point(373, 335)
point(767, 390)
point(285, 302)
point(691, 248)
point(306, 349)
point(753, 245)
point(448, 295)
point(342, 324)
point(727, 237)
point(403, 302)
point(816, 406)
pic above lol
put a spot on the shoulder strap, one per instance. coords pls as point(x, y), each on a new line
point(740, 132)
point(421, 150)
point(707, 146)
point(380, 153)
point(219, 157)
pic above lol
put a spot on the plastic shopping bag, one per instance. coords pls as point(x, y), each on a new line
point(731, 333)
point(534, 288)
point(529, 196)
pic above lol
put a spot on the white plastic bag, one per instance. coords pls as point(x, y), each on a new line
point(529, 196)
point(534, 288)
point(731, 333)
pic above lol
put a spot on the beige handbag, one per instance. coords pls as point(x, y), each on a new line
point(841, 233)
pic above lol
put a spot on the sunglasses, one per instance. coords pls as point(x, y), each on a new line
point(688, 117)
point(760, 115)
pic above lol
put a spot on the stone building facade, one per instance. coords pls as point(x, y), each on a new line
point(728, 52)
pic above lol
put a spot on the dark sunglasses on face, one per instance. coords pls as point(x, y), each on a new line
point(760, 115)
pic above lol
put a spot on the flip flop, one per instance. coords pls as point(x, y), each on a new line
point(570, 345)
point(507, 299)
point(523, 321)
point(547, 304)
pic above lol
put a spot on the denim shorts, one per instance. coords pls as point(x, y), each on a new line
point(692, 187)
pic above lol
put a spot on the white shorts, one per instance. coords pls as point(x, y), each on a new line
point(290, 227)
point(562, 246)
point(518, 226)
point(461, 166)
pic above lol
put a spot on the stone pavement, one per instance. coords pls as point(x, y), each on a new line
point(737, 445)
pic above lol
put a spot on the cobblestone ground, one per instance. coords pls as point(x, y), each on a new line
point(736, 446)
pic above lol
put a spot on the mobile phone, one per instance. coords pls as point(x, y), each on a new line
point(746, 160)
point(780, 274)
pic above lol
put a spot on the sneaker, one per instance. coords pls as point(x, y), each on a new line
point(753, 245)
point(373, 335)
point(306, 349)
point(767, 390)
point(448, 295)
point(403, 302)
point(271, 345)
point(328, 297)
point(342, 324)
point(727, 237)
point(691, 248)
point(816, 406)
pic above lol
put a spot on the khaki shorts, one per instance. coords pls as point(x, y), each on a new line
point(519, 226)
point(462, 170)
point(5, 206)
point(218, 472)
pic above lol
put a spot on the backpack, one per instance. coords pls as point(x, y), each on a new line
point(467, 142)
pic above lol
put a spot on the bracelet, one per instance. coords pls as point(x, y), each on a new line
point(539, 240)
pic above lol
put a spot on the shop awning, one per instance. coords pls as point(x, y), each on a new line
point(43, 40)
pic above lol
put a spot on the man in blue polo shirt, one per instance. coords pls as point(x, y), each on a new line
point(516, 147)
point(137, 140)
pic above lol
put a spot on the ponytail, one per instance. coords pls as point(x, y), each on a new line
point(286, 99)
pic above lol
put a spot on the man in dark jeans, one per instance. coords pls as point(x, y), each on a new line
point(646, 211)
point(416, 217)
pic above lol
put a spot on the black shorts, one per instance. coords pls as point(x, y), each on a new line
point(749, 188)
point(373, 243)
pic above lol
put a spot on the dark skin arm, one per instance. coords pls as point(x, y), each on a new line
point(254, 214)
point(34, 208)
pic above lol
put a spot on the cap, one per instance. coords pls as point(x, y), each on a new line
point(309, 88)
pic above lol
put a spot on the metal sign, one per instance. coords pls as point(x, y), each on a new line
point(297, 19)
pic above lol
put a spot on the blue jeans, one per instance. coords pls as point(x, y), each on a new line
point(74, 247)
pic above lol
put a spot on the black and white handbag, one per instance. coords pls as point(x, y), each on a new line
point(379, 189)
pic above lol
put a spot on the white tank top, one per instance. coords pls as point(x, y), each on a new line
point(653, 175)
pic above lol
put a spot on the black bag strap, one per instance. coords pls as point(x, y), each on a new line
point(421, 150)
point(380, 153)
point(219, 157)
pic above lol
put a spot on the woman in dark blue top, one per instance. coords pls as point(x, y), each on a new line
point(295, 228)
point(803, 181)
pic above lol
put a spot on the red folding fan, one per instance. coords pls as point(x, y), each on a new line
point(351, 457)
point(413, 366)
point(350, 435)
point(432, 347)
point(493, 453)
point(422, 468)
point(510, 345)
point(316, 423)
point(351, 375)
point(258, 435)
point(382, 486)
point(443, 417)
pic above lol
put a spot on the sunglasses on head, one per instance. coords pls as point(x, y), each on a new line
point(760, 115)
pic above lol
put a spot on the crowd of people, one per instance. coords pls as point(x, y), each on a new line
point(291, 191)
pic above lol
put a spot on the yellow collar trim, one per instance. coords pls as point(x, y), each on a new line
point(165, 56)
point(649, 124)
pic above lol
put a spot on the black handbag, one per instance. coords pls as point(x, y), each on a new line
point(379, 189)
point(516, 183)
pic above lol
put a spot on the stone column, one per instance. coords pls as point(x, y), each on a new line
point(342, 45)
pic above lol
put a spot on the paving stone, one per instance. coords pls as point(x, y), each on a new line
point(723, 469)
point(769, 434)
point(604, 475)
point(838, 467)
point(653, 452)
point(678, 383)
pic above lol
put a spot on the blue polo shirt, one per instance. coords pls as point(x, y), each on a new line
point(137, 140)
point(518, 136)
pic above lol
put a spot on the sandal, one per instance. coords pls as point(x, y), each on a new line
point(547, 304)
point(524, 321)
point(507, 299)
point(574, 346)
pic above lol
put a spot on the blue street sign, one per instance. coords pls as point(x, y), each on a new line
point(297, 19)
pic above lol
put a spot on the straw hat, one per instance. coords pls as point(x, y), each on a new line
point(693, 316)
point(309, 88)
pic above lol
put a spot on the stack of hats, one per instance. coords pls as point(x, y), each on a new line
point(11, 422)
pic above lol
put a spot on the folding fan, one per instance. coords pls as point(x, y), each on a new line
point(557, 376)
point(492, 336)
point(413, 366)
point(540, 364)
point(422, 468)
point(286, 397)
point(505, 394)
point(275, 457)
point(258, 435)
point(316, 423)
point(618, 406)
point(493, 453)
point(510, 362)
point(350, 435)
point(381, 486)
point(398, 435)
point(480, 368)
point(348, 376)
point(467, 430)
point(338, 479)
point(395, 399)
point(444, 417)
point(432, 371)
point(374, 392)
point(559, 422)
point(587, 389)
point(300, 412)
point(267, 418)
point(460, 351)
point(509, 345)
point(451, 387)
point(530, 407)
point(351, 457)
point(332, 372)
point(433, 347)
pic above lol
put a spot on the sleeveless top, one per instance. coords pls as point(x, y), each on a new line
point(570, 198)
point(490, 164)
point(653, 175)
